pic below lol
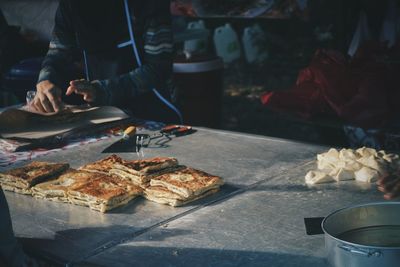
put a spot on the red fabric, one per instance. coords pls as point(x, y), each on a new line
point(362, 92)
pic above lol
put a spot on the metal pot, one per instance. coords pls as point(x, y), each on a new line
point(364, 235)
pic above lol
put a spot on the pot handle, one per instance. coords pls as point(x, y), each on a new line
point(359, 251)
point(314, 225)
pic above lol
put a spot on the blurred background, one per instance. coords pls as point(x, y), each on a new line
point(320, 71)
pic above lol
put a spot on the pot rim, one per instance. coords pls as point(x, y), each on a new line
point(352, 207)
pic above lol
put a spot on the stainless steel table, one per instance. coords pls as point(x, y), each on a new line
point(255, 220)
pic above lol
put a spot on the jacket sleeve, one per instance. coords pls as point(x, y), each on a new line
point(61, 47)
point(156, 69)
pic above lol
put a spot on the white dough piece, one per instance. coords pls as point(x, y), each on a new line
point(366, 152)
point(381, 153)
point(332, 154)
point(318, 177)
point(342, 174)
point(326, 166)
point(391, 157)
point(348, 155)
point(374, 163)
point(352, 165)
point(327, 161)
point(367, 175)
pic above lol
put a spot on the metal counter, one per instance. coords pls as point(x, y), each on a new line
point(255, 220)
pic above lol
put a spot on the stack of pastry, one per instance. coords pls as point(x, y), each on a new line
point(182, 186)
point(95, 190)
point(140, 172)
point(103, 193)
point(112, 182)
point(21, 180)
point(103, 165)
point(56, 189)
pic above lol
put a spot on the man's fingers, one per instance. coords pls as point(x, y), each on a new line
point(87, 96)
point(388, 185)
point(81, 87)
point(387, 196)
point(395, 192)
point(385, 179)
point(54, 101)
point(38, 105)
point(80, 84)
point(77, 81)
point(48, 97)
point(78, 91)
point(70, 90)
point(76, 86)
point(48, 107)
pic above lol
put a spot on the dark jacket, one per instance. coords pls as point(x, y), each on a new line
point(97, 27)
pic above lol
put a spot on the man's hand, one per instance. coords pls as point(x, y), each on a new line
point(48, 98)
point(83, 87)
point(390, 185)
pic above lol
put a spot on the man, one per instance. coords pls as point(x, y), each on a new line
point(98, 33)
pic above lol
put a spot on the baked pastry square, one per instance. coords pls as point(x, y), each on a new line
point(21, 179)
point(141, 171)
point(56, 190)
point(162, 195)
point(102, 166)
point(103, 193)
point(187, 182)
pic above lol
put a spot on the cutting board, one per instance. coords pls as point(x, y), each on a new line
point(21, 124)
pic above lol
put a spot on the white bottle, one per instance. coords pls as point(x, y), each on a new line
point(254, 40)
point(226, 43)
point(197, 45)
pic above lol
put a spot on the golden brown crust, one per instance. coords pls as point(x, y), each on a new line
point(187, 182)
point(103, 165)
point(105, 187)
point(55, 189)
point(103, 193)
point(178, 202)
point(150, 165)
point(140, 172)
point(33, 173)
point(161, 192)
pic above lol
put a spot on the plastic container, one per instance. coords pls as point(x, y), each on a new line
point(254, 40)
point(199, 81)
point(198, 45)
point(226, 43)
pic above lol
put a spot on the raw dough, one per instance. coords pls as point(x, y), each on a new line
point(364, 164)
point(342, 174)
point(374, 163)
point(367, 175)
point(318, 177)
